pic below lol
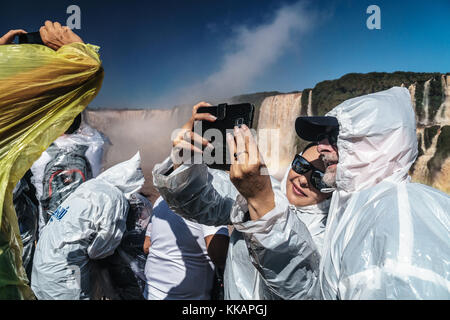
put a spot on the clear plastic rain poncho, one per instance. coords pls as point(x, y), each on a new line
point(69, 161)
point(121, 276)
point(207, 196)
point(386, 238)
point(89, 224)
point(285, 245)
point(26, 206)
point(41, 92)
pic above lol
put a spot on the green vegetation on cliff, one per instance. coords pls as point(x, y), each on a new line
point(328, 94)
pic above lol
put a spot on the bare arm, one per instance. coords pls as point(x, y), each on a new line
point(147, 244)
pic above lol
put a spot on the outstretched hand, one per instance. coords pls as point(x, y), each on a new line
point(9, 37)
point(246, 175)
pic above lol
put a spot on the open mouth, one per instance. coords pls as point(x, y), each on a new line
point(298, 191)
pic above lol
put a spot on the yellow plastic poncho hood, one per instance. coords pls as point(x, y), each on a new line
point(41, 92)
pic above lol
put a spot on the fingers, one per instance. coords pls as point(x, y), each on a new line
point(188, 146)
point(13, 33)
point(190, 136)
point(57, 26)
point(204, 116)
point(240, 146)
point(45, 36)
point(232, 148)
point(8, 38)
point(49, 27)
point(250, 146)
point(55, 36)
point(198, 105)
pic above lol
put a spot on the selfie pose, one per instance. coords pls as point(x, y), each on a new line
point(386, 238)
point(207, 196)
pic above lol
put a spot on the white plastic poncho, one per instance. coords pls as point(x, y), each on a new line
point(86, 136)
point(207, 196)
point(386, 238)
point(285, 245)
point(89, 224)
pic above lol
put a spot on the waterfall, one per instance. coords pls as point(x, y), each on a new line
point(443, 113)
point(276, 131)
point(442, 178)
point(412, 92)
point(147, 130)
point(421, 173)
point(310, 113)
point(426, 101)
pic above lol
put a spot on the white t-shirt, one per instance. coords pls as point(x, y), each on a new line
point(178, 266)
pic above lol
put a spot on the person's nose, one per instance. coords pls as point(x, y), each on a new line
point(303, 181)
point(324, 146)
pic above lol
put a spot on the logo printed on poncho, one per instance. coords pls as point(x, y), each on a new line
point(59, 213)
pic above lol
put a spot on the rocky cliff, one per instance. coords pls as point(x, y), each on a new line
point(149, 130)
point(430, 95)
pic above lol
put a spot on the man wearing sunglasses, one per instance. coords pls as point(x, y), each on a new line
point(386, 238)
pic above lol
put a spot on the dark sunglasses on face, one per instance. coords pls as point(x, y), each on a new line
point(301, 166)
point(332, 137)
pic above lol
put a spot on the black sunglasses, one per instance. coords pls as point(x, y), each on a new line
point(332, 136)
point(301, 166)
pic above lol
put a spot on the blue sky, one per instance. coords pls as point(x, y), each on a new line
point(160, 53)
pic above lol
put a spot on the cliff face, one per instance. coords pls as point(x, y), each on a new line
point(149, 131)
point(430, 96)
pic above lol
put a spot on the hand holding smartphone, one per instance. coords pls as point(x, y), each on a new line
point(30, 38)
point(228, 116)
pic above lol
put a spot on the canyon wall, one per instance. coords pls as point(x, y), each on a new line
point(149, 131)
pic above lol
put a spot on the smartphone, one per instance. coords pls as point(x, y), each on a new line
point(228, 116)
point(30, 38)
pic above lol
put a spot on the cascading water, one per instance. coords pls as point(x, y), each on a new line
point(310, 112)
point(443, 113)
point(276, 134)
point(426, 102)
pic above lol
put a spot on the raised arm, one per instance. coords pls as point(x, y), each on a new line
point(194, 191)
point(279, 243)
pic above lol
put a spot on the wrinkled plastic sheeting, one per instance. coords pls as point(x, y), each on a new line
point(89, 224)
point(41, 92)
point(89, 138)
point(27, 215)
point(121, 276)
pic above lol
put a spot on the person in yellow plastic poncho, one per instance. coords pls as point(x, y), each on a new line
point(42, 89)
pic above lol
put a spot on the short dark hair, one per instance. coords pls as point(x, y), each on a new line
point(75, 125)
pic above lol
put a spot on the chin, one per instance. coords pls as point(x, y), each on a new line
point(330, 178)
point(299, 201)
